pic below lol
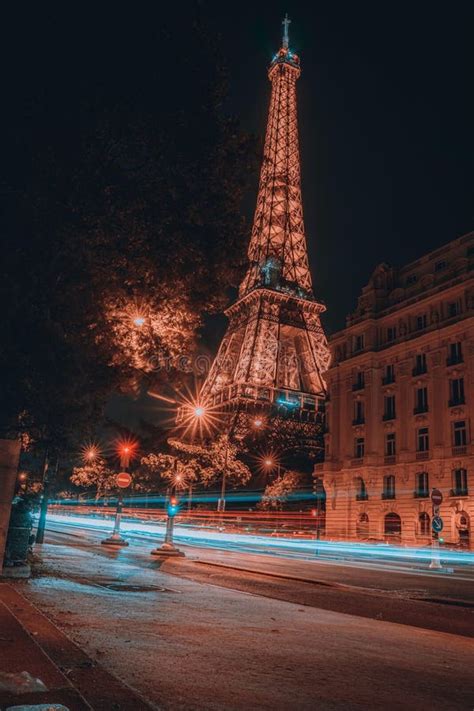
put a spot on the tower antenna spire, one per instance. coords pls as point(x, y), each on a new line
point(286, 38)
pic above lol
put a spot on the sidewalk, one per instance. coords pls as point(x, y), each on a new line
point(30, 642)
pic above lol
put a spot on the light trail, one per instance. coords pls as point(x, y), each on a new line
point(282, 546)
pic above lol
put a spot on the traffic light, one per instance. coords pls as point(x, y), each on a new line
point(173, 506)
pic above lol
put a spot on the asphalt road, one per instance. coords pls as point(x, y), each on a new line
point(422, 598)
point(190, 634)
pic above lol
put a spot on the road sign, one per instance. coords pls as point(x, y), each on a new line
point(123, 480)
point(436, 497)
point(437, 524)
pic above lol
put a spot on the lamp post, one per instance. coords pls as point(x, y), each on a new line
point(123, 480)
point(167, 548)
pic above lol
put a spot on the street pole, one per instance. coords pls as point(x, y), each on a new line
point(116, 539)
point(221, 502)
point(436, 500)
point(435, 559)
point(168, 548)
point(45, 498)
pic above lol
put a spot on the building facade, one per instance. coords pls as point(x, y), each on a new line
point(400, 394)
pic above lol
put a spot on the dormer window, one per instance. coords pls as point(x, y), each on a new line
point(412, 279)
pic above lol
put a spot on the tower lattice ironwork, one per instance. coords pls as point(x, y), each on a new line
point(274, 353)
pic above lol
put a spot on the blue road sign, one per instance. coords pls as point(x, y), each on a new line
point(437, 524)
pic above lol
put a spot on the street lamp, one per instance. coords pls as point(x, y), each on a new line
point(126, 450)
point(168, 548)
point(23, 481)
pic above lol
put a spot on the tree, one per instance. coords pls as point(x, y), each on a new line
point(136, 184)
point(97, 475)
point(199, 463)
point(279, 491)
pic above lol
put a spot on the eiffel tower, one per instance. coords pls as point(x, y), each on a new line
point(272, 358)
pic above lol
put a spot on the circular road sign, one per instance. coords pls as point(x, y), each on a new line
point(123, 480)
point(436, 497)
point(437, 524)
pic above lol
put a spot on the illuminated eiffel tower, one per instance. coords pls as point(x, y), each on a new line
point(272, 358)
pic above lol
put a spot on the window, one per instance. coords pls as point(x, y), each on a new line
point(391, 333)
point(459, 482)
point(389, 376)
point(392, 524)
point(421, 400)
point(359, 382)
point(453, 309)
point(456, 392)
point(439, 266)
point(361, 491)
point(459, 433)
point(359, 447)
point(455, 353)
point(424, 523)
point(359, 415)
point(470, 251)
point(422, 487)
point(421, 322)
point(422, 440)
point(388, 487)
point(412, 279)
point(389, 407)
point(390, 444)
point(420, 364)
point(359, 342)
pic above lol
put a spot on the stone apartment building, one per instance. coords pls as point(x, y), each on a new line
point(401, 388)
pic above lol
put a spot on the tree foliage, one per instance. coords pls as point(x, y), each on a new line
point(278, 493)
point(135, 185)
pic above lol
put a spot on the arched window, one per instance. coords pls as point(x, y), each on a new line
point(361, 491)
point(388, 487)
point(422, 485)
point(393, 524)
point(424, 521)
point(460, 482)
point(362, 526)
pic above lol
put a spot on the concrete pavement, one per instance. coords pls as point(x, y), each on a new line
point(30, 643)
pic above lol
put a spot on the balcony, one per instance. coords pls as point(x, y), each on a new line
point(358, 386)
point(455, 401)
point(454, 360)
point(388, 495)
point(460, 449)
point(421, 494)
point(422, 455)
point(459, 492)
point(387, 416)
point(419, 370)
point(358, 421)
point(357, 461)
point(362, 497)
point(390, 459)
point(388, 380)
point(420, 409)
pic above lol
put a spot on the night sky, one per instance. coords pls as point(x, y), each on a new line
point(386, 128)
point(385, 111)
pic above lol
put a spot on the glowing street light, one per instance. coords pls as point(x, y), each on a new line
point(258, 422)
point(139, 321)
point(126, 449)
point(199, 411)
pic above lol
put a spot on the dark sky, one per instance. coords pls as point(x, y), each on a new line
point(386, 109)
